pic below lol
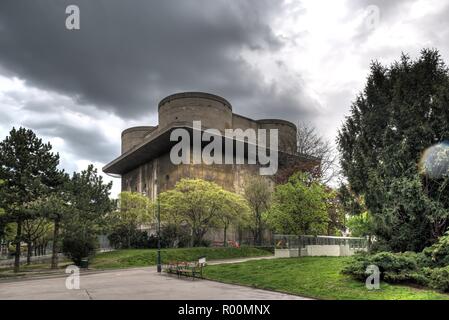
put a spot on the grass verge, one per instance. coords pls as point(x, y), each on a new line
point(145, 257)
point(316, 277)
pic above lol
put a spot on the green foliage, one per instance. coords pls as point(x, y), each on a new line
point(257, 192)
point(427, 268)
point(89, 206)
point(352, 204)
point(144, 257)
point(299, 207)
point(175, 236)
point(136, 239)
point(134, 210)
point(394, 267)
point(29, 171)
point(437, 255)
point(437, 278)
point(198, 204)
point(401, 112)
point(79, 246)
point(336, 215)
point(360, 225)
point(316, 277)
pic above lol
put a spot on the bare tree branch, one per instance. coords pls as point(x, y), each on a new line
point(310, 143)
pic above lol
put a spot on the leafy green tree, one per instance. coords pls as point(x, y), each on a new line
point(3, 220)
point(55, 207)
point(89, 204)
point(401, 113)
point(299, 207)
point(134, 210)
point(360, 225)
point(335, 213)
point(235, 212)
point(352, 204)
point(198, 204)
point(29, 170)
point(34, 229)
point(257, 192)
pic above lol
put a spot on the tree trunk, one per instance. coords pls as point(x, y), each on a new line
point(29, 252)
point(18, 241)
point(258, 238)
point(224, 236)
point(54, 254)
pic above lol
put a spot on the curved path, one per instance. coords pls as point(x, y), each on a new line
point(138, 283)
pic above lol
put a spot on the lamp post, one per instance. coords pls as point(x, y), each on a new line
point(159, 266)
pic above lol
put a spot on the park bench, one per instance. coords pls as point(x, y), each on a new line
point(188, 269)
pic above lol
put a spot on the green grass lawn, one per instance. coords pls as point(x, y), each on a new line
point(145, 257)
point(316, 277)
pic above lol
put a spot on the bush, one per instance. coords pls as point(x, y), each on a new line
point(428, 268)
point(77, 248)
point(202, 243)
point(174, 236)
point(437, 255)
point(121, 238)
point(394, 267)
point(437, 278)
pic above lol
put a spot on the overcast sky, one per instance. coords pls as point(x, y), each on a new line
point(296, 60)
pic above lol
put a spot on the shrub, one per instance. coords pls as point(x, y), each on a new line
point(395, 262)
point(77, 248)
point(122, 238)
point(175, 236)
point(437, 255)
point(438, 278)
point(394, 267)
point(357, 266)
point(428, 268)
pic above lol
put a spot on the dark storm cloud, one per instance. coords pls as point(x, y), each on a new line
point(85, 143)
point(47, 117)
point(130, 54)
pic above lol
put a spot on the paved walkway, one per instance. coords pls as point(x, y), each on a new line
point(139, 283)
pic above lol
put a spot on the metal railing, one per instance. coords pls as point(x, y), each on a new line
point(283, 241)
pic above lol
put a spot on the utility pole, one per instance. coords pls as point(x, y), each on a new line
point(159, 266)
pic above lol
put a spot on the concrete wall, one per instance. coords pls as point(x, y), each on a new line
point(213, 111)
point(286, 253)
point(286, 133)
point(241, 122)
point(131, 137)
point(319, 250)
point(162, 173)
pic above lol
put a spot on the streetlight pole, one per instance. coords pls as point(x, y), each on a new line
point(159, 266)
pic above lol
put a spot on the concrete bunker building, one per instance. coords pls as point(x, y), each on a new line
point(145, 166)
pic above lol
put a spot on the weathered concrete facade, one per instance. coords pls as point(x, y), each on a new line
point(145, 165)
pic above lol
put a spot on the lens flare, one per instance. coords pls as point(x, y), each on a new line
point(434, 162)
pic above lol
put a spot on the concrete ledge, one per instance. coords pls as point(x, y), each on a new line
point(286, 253)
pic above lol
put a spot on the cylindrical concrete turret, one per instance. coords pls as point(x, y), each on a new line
point(131, 137)
point(287, 133)
point(184, 108)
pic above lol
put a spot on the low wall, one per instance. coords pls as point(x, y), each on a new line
point(321, 250)
point(317, 250)
point(286, 253)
